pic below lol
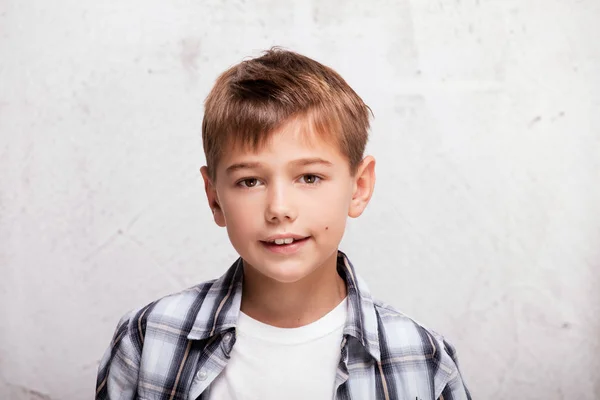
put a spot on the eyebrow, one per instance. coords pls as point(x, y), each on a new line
point(243, 165)
point(300, 162)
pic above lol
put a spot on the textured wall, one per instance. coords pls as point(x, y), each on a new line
point(485, 224)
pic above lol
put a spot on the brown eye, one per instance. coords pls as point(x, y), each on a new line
point(310, 179)
point(250, 182)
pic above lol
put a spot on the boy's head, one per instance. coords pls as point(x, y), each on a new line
point(284, 138)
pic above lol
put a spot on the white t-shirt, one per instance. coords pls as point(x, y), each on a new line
point(282, 363)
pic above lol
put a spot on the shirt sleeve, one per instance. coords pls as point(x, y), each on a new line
point(455, 389)
point(119, 367)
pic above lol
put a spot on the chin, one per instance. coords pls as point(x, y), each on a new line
point(285, 272)
point(288, 274)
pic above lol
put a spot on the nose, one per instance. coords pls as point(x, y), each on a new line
point(280, 204)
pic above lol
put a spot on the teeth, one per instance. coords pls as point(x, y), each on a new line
point(284, 241)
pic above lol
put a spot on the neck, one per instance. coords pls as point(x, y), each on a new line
point(290, 305)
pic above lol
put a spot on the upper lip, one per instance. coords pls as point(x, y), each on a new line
point(284, 236)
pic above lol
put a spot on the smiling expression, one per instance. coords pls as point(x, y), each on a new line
point(285, 204)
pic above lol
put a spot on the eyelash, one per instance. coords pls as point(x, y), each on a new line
point(241, 182)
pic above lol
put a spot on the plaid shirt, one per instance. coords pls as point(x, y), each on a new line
point(175, 347)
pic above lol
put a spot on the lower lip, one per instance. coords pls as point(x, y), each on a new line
point(285, 248)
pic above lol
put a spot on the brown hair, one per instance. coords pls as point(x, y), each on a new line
point(255, 97)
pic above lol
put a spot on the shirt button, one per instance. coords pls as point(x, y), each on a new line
point(202, 374)
point(227, 337)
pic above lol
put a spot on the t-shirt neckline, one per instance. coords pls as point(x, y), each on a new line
point(333, 320)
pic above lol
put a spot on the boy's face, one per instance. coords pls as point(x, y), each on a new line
point(295, 187)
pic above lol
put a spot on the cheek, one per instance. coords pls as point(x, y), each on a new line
point(240, 225)
point(330, 212)
point(240, 211)
point(335, 200)
point(331, 230)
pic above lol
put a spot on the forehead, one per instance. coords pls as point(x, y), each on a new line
point(295, 139)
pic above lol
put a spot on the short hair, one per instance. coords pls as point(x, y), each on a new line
point(254, 98)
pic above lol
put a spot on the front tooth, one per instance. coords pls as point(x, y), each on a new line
point(279, 241)
point(288, 240)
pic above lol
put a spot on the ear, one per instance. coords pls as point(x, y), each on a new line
point(364, 183)
point(211, 196)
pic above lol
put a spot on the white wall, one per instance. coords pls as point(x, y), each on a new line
point(486, 220)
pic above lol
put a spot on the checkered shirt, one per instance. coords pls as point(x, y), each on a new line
point(173, 348)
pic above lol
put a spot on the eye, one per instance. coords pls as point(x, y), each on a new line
point(310, 179)
point(249, 182)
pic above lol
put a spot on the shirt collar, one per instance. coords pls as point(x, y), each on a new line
point(221, 306)
point(361, 320)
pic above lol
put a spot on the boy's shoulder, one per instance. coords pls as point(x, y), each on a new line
point(414, 349)
point(197, 312)
point(193, 311)
point(407, 332)
point(393, 318)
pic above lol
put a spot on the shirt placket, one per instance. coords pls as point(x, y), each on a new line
point(215, 362)
point(341, 375)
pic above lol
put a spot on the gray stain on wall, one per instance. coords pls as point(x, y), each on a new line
point(190, 52)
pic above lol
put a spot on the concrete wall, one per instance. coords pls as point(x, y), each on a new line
point(485, 224)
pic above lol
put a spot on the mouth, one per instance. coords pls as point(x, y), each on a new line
point(284, 241)
point(285, 245)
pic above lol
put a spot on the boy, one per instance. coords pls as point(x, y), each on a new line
point(284, 138)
